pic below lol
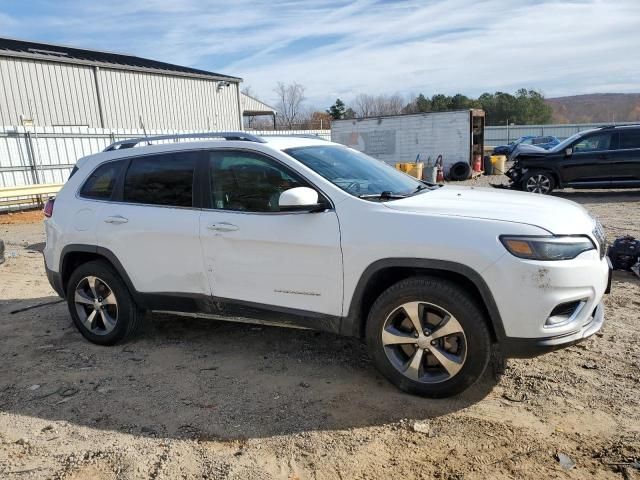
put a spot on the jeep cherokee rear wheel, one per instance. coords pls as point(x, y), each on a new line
point(428, 337)
point(100, 304)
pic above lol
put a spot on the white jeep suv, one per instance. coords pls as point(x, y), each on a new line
point(304, 232)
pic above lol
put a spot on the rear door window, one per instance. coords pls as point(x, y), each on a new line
point(629, 138)
point(166, 179)
point(102, 181)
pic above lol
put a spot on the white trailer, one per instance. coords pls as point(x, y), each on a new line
point(456, 135)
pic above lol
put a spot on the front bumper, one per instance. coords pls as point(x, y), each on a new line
point(531, 347)
point(515, 176)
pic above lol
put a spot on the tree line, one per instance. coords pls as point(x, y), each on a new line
point(525, 107)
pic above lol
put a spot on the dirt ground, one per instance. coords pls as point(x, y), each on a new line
point(204, 399)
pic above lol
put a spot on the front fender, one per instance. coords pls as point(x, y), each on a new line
point(353, 323)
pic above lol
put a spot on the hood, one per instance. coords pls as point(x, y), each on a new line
point(528, 150)
point(556, 215)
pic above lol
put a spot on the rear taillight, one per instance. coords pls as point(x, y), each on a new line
point(48, 207)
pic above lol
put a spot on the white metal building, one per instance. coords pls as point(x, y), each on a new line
point(52, 85)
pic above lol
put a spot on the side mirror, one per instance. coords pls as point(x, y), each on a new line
point(300, 199)
point(568, 152)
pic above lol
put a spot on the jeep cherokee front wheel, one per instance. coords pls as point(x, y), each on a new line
point(428, 337)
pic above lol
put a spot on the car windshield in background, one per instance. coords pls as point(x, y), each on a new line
point(523, 140)
point(357, 173)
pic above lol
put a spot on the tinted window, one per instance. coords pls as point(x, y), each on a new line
point(161, 180)
point(630, 138)
point(600, 141)
point(245, 181)
point(101, 182)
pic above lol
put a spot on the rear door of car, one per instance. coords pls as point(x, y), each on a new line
point(151, 224)
point(590, 160)
point(625, 161)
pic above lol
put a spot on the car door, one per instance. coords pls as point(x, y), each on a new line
point(625, 162)
point(256, 254)
point(589, 161)
point(152, 224)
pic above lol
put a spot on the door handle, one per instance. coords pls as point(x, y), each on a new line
point(223, 227)
point(117, 219)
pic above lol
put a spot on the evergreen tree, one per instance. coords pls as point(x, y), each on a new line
point(337, 110)
point(423, 104)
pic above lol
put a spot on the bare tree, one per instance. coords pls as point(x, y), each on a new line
point(393, 105)
point(363, 105)
point(289, 104)
point(371, 106)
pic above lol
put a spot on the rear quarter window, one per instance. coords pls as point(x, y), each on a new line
point(630, 138)
point(102, 181)
point(161, 179)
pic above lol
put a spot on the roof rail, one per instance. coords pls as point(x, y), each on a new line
point(295, 135)
point(132, 142)
point(619, 125)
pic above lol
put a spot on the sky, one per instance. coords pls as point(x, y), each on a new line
point(343, 48)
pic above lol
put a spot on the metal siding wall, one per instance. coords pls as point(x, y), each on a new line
point(65, 94)
point(167, 102)
point(50, 93)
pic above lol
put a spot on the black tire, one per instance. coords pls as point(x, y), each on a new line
point(460, 171)
point(128, 318)
point(538, 181)
point(447, 297)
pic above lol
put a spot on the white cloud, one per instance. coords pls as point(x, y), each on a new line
point(339, 48)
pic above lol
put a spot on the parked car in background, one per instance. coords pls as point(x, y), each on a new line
point(607, 157)
point(544, 142)
point(309, 233)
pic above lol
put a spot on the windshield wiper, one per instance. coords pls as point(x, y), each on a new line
point(382, 196)
point(420, 188)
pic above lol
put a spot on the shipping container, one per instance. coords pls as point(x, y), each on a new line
point(456, 135)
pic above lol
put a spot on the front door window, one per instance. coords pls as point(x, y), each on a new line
point(249, 182)
point(593, 143)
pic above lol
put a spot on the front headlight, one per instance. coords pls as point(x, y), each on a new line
point(547, 248)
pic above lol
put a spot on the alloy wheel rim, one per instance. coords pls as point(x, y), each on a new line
point(538, 184)
point(424, 342)
point(96, 305)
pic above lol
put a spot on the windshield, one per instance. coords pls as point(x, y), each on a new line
point(568, 141)
point(356, 173)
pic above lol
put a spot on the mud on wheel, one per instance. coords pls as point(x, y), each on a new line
point(428, 337)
